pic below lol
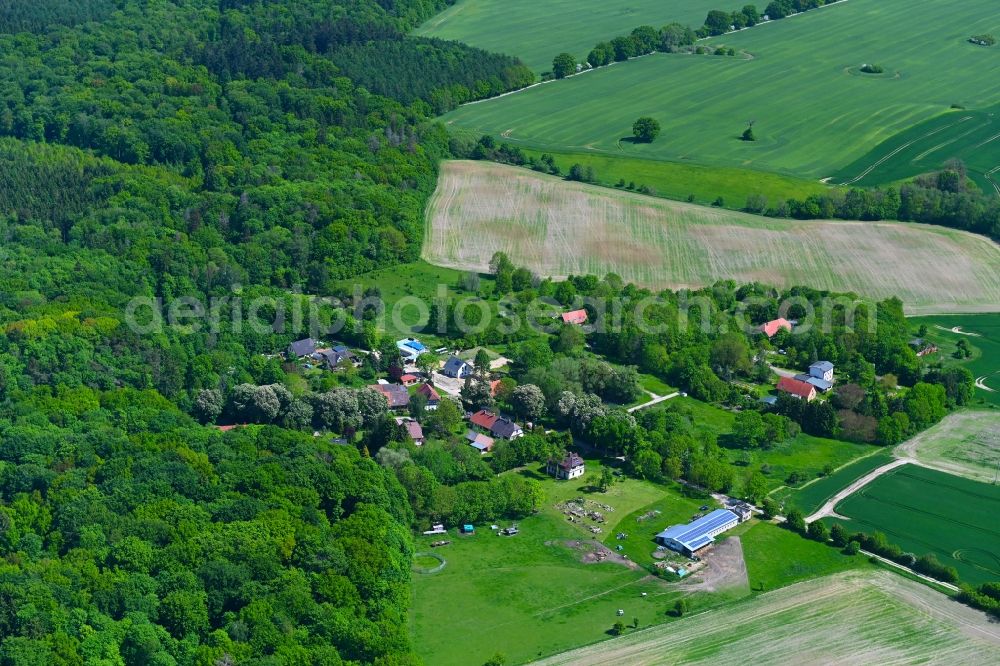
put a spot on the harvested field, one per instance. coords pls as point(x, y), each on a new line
point(851, 618)
point(965, 443)
point(559, 228)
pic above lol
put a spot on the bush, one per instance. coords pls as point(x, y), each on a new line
point(872, 69)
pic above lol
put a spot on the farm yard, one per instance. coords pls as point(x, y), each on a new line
point(814, 112)
point(553, 586)
point(927, 511)
point(853, 617)
point(964, 443)
point(559, 228)
point(981, 334)
point(537, 31)
point(557, 584)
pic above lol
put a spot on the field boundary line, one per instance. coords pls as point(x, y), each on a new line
point(828, 507)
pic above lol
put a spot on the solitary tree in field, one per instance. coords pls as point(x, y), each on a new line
point(748, 133)
point(563, 65)
point(680, 607)
point(646, 129)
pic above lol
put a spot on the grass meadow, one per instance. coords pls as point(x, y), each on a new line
point(972, 136)
point(804, 454)
point(558, 228)
point(700, 184)
point(927, 511)
point(538, 31)
point(531, 595)
point(810, 496)
point(982, 333)
point(814, 111)
point(862, 617)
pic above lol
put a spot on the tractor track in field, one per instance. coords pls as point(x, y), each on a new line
point(900, 149)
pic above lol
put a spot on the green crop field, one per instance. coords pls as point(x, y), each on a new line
point(702, 184)
point(982, 333)
point(814, 111)
point(864, 617)
point(811, 496)
point(971, 136)
point(558, 228)
point(964, 443)
point(537, 31)
point(927, 511)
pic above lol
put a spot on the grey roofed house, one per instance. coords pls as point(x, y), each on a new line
point(395, 394)
point(820, 384)
point(769, 400)
point(456, 367)
point(301, 348)
point(821, 366)
point(334, 357)
point(505, 428)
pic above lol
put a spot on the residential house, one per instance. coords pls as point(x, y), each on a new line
point(456, 368)
point(483, 419)
point(433, 397)
point(300, 348)
point(336, 357)
point(576, 317)
point(504, 428)
point(409, 380)
point(822, 370)
point(797, 389)
point(480, 442)
point(821, 384)
point(570, 466)
point(413, 430)
point(770, 328)
point(395, 394)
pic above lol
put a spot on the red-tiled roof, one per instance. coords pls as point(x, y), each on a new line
point(775, 325)
point(430, 392)
point(575, 317)
point(484, 419)
point(796, 387)
point(408, 379)
point(414, 430)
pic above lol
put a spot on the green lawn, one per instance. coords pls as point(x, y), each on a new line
point(537, 31)
point(985, 346)
point(814, 112)
point(809, 497)
point(972, 136)
point(777, 557)
point(415, 282)
point(926, 511)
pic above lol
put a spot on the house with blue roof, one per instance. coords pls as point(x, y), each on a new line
point(689, 539)
point(822, 370)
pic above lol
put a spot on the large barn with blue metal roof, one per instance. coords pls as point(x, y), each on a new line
point(690, 538)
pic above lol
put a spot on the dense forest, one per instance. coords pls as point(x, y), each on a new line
point(198, 148)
